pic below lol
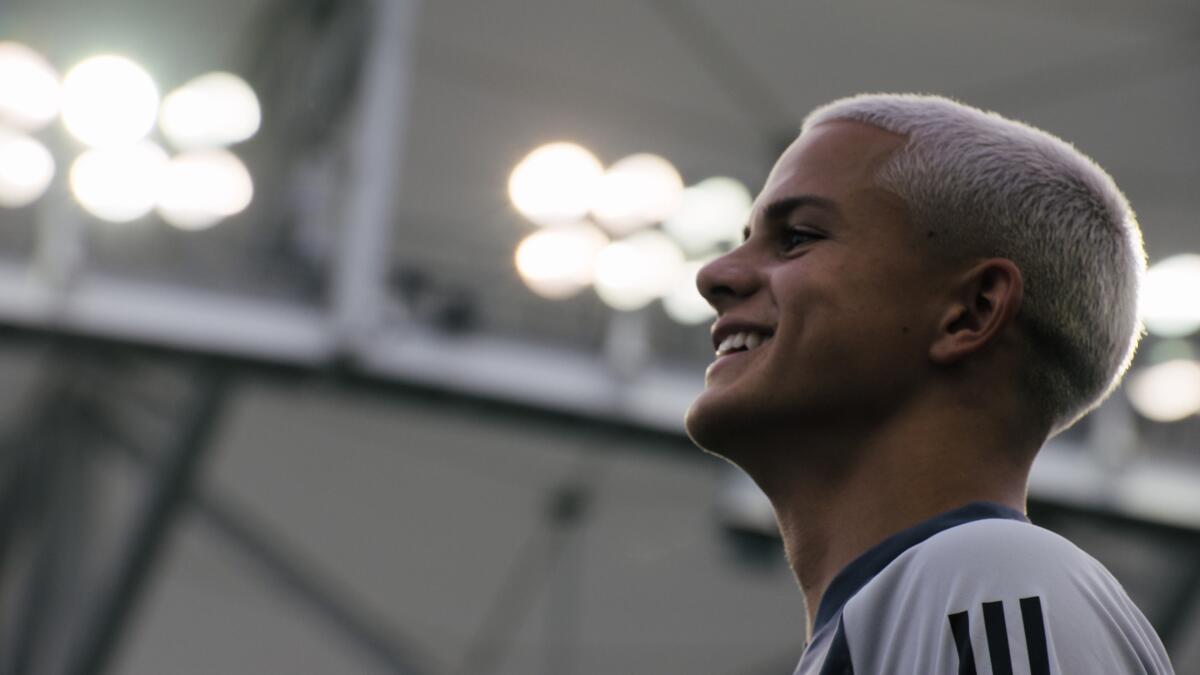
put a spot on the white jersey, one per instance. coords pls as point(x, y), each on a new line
point(980, 591)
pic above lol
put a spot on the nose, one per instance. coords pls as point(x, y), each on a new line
point(727, 279)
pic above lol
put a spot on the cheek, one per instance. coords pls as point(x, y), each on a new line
point(877, 293)
point(862, 325)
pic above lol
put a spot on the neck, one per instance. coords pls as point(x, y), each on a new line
point(831, 512)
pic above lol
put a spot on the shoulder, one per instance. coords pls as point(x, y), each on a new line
point(984, 561)
point(1000, 589)
point(987, 560)
point(1001, 553)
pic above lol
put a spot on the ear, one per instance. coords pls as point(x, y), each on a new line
point(986, 301)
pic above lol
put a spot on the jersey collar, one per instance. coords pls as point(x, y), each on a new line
point(864, 568)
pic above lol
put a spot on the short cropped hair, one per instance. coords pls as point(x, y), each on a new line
point(983, 185)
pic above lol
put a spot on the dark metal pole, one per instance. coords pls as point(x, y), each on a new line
point(283, 565)
point(49, 577)
point(33, 512)
point(21, 451)
point(286, 569)
point(566, 514)
point(171, 482)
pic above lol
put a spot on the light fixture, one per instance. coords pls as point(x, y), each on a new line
point(1170, 297)
point(108, 100)
point(121, 183)
point(711, 212)
point(634, 271)
point(683, 302)
point(213, 110)
point(29, 94)
point(635, 192)
point(555, 184)
point(26, 168)
point(1166, 392)
point(561, 185)
point(203, 187)
point(558, 262)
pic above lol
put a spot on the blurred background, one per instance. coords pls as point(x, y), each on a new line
point(355, 336)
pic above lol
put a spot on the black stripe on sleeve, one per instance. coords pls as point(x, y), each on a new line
point(960, 626)
point(997, 638)
point(1035, 636)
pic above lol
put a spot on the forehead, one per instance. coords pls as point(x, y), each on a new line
point(836, 160)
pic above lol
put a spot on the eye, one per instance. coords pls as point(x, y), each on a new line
point(794, 237)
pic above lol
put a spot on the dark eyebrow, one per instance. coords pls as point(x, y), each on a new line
point(780, 209)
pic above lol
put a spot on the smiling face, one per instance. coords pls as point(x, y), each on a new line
point(834, 274)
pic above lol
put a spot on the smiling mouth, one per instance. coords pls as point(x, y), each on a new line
point(742, 342)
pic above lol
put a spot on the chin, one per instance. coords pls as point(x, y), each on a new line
point(697, 428)
point(716, 426)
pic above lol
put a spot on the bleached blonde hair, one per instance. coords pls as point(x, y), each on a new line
point(988, 186)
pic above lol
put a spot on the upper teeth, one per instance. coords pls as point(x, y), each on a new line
point(746, 339)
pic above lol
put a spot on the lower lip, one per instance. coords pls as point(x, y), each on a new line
point(724, 360)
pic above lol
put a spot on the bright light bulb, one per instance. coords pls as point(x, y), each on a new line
point(558, 262)
point(712, 212)
point(1166, 392)
point(26, 168)
point(212, 110)
point(109, 100)
point(201, 188)
point(637, 191)
point(121, 183)
point(555, 183)
point(683, 303)
point(632, 272)
point(1170, 296)
point(29, 92)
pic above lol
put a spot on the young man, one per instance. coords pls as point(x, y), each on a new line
point(925, 294)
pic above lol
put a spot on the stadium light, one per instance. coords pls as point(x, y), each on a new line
point(111, 103)
point(203, 187)
point(634, 271)
point(213, 110)
point(557, 263)
point(712, 212)
point(108, 100)
point(121, 183)
point(26, 168)
point(30, 93)
point(555, 184)
point(635, 192)
point(1166, 392)
point(683, 302)
point(562, 185)
point(1170, 298)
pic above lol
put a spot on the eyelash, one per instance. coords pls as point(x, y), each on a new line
point(788, 236)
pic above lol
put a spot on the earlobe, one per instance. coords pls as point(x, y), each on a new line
point(986, 301)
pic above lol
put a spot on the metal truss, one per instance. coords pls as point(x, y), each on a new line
point(63, 608)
